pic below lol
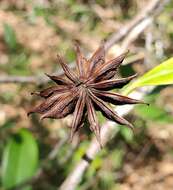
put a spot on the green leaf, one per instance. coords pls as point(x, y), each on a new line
point(10, 37)
point(159, 75)
point(20, 159)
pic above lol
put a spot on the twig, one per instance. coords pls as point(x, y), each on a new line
point(75, 176)
point(152, 9)
point(20, 79)
point(138, 29)
point(107, 130)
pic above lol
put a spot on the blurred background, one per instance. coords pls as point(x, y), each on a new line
point(37, 155)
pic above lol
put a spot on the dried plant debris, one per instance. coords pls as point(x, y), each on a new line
point(84, 92)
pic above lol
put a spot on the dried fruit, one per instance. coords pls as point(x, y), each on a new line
point(84, 92)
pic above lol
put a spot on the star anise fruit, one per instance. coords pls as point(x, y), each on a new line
point(85, 91)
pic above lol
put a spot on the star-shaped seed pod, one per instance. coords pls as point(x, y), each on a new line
point(83, 92)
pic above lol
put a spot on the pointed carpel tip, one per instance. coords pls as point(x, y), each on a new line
point(142, 102)
point(28, 113)
point(58, 56)
point(42, 118)
point(126, 52)
point(47, 75)
point(146, 103)
point(60, 59)
point(35, 93)
point(76, 43)
point(77, 47)
point(122, 56)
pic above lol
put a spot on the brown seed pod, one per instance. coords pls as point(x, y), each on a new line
point(85, 92)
